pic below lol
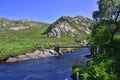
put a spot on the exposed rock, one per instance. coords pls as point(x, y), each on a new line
point(84, 43)
point(61, 28)
point(7, 24)
point(53, 52)
point(35, 55)
point(18, 28)
point(69, 26)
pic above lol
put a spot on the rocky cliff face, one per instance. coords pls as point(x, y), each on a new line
point(69, 26)
point(6, 24)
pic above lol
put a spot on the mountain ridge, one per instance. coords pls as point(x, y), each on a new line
point(64, 26)
point(69, 25)
point(8, 24)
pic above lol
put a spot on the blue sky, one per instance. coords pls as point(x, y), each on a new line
point(46, 10)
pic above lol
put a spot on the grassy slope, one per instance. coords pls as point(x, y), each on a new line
point(28, 40)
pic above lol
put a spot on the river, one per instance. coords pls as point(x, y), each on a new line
point(52, 68)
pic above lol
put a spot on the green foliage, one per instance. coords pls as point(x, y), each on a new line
point(105, 36)
point(102, 68)
point(106, 26)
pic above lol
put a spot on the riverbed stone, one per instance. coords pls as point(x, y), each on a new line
point(35, 55)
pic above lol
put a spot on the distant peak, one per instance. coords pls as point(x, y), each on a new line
point(69, 26)
point(65, 17)
point(79, 16)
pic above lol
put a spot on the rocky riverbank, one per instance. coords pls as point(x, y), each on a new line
point(35, 55)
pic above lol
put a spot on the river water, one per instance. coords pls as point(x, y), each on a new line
point(53, 68)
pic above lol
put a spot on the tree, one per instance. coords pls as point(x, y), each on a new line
point(107, 23)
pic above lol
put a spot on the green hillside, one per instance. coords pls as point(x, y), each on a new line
point(20, 42)
point(16, 42)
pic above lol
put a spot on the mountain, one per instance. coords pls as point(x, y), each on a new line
point(39, 36)
point(65, 26)
point(7, 24)
point(69, 26)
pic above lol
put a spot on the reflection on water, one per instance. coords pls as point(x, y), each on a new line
point(53, 68)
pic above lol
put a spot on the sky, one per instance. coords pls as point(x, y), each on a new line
point(46, 10)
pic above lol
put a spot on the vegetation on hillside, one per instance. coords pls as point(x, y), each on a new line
point(106, 37)
point(16, 42)
point(28, 40)
point(6, 24)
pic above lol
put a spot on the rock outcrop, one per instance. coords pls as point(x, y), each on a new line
point(18, 28)
point(35, 55)
point(63, 27)
point(69, 26)
point(6, 24)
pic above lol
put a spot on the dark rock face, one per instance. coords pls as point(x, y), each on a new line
point(69, 25)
